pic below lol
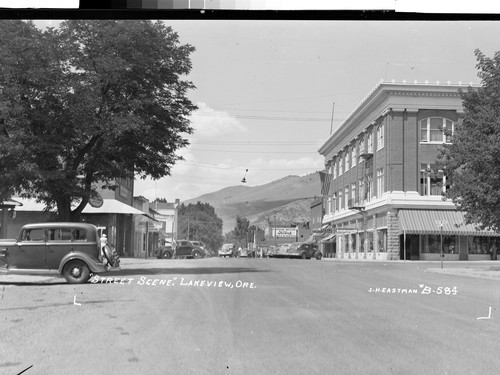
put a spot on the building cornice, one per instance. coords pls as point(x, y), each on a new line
point(376, 105)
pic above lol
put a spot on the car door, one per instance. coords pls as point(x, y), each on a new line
point(29, 252)
point(58, 245)
point(183, 249)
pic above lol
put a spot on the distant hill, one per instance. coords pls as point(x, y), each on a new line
point(288, 198)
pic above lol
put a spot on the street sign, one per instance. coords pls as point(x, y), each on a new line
point(96, 200)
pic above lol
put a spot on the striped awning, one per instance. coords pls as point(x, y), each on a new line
point(329, 238)
point(429, 222)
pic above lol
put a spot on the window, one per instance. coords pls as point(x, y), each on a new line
point(354, 155)
point(436, 130)
point(333, 169)
point(370, 143)
point(382, 240)
point(432, 244)
point(369, 187)
point(341, 201)
point(361, 146)
point(346, 198)
point(341, 165)
point(346, 160)
point(79, 235)
point(60, 234)
point(380, 182)
point(380, 137)
point(353, 193)
point(361, 191)
point(432, 180)
point(483, 245)
point(37, 235)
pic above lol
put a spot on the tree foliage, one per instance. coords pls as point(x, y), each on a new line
point(472, 161)
point(240, 232)
point(89, 102)
point(199, 222)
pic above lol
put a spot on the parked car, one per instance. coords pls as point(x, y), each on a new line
point(279, 251)
point(243, 253)
point(302, 250)
point(186, 249)
point(165, 252)
point(72, 250)
point(228, 250)
point(202, 245)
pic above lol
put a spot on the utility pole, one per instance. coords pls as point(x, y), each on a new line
point(331, 125)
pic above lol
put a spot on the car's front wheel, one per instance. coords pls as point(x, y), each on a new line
point(166, 255)
point(303, 256)
point(76, 272)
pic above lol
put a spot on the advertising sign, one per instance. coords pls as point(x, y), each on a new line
point(284, 232)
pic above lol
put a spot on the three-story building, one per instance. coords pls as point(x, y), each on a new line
point(385, 197)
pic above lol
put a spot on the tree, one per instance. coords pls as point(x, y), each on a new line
point(240, 232)
point(89, 103)
point(472, 161)
point(199, 222)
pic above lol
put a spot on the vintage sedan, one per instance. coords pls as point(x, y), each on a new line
point(72, 250)
point(228, 250)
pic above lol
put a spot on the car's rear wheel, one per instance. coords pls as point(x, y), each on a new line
point(303, 256)
point(318, 256)
point(76, 272)
point(166, 255)
point(196, 254)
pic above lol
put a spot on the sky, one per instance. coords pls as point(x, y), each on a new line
point(266, 90)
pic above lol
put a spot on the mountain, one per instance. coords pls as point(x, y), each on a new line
point(288, 198)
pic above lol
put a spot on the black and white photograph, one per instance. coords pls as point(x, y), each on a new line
point(235, 195)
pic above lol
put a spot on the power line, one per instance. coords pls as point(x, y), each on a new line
point(250, 143)
point(266, 118)
point(258, 152)
point(258, 169)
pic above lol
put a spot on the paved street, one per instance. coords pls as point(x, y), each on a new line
point(253, 316)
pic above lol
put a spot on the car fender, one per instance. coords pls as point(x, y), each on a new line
point(94, 264)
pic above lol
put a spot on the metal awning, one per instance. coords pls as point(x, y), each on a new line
point(110, 206)
point(113, 206)
point(330, 238)
point(428, 222)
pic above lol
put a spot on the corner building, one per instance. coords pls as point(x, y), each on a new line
point(384, 191)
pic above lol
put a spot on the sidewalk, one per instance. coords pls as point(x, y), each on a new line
point(487, 269)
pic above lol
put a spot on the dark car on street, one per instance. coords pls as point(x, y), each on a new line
point(165, 252)
point(301, 250)
point(72, 250)
point(186, 249)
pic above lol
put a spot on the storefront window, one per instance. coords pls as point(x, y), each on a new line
point(382, 241)
point(369, 241)
point(432, 244)
point(353, 238)
point(483, 245)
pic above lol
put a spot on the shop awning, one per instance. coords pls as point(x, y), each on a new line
point(112, 206)
point(428, 222)
point(330, 238)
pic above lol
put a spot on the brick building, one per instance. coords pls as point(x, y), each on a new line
point(384, 198)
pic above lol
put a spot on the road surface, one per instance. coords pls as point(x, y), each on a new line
point(252, 316)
